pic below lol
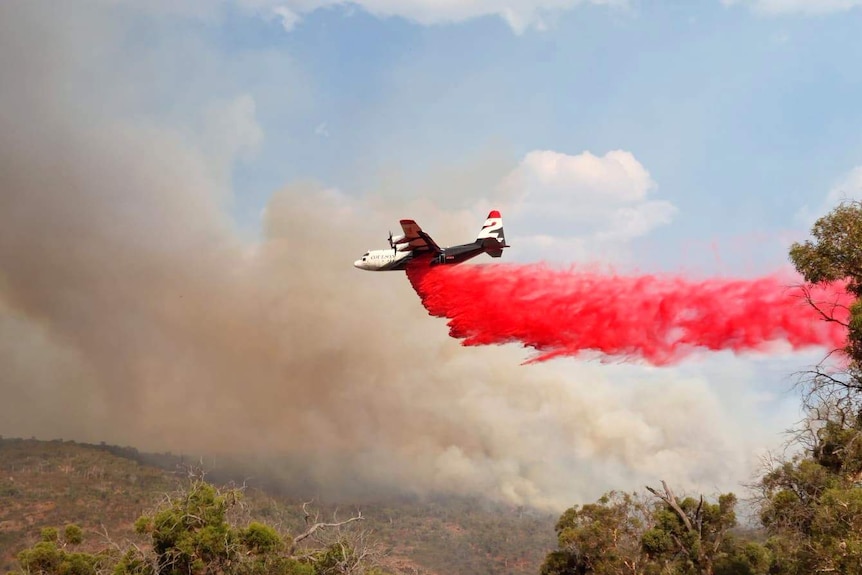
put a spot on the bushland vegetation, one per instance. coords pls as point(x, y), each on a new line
point(808, 506)
point(105, 489)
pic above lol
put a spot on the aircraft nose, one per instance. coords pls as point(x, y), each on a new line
point(357, 264)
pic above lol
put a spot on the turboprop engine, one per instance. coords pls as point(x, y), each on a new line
point(398, 243)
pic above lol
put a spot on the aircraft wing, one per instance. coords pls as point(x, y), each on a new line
point(419, 240)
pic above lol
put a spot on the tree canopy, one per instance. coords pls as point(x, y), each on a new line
point(201, 530)
point(835, 255)
point(810, 505)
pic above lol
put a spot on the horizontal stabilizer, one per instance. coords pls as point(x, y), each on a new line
point(493, 247)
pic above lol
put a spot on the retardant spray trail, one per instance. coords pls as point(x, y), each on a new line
point(660, 319)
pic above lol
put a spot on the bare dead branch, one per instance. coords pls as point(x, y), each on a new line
point(670, 499)
point(311, 530)
point(307, 514)
point(825, 309)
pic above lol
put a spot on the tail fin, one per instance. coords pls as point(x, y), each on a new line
point(493, 228)
point(491, 236)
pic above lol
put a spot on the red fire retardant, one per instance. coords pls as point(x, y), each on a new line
point(657, 318)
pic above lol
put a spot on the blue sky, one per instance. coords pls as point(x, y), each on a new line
point(742, 117)
point(186, 186)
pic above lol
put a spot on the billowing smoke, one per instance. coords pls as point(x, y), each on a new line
point(133, 311)
point(660, 319)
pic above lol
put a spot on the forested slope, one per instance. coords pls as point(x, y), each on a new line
point(105, 488)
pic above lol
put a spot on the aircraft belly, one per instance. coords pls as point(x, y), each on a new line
point(459, 254)
point(464, 256)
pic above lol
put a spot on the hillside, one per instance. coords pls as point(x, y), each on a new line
point(105, 488)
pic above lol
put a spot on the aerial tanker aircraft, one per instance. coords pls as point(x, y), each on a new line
point(415, 243)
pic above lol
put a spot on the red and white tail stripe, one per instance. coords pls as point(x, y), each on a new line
point(493, 228)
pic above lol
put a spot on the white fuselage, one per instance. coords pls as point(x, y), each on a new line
point(383, 260)
point(414, 243)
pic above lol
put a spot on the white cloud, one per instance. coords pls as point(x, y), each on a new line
point(288, 17)
point(518, 14)
point(849, 187)
point(775, 7)
point(322, 130)
point(583, 203)
point(617, 175)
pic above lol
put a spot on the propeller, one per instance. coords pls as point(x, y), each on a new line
point(391, 244)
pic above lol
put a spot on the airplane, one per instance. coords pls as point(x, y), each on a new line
point(415, 243)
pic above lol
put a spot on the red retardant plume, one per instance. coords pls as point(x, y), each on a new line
point(660, 319)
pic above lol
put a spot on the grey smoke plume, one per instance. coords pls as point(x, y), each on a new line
point(133, 311)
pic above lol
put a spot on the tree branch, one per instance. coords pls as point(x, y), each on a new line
point(311, 530)
point(669, 498)
point(832, 306)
